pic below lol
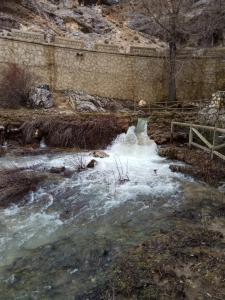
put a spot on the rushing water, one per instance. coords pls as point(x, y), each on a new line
point(58, 245)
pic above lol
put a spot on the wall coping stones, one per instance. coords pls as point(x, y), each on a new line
point(144, 51)
point(107, 48)
point(215, 52)
point(204, 52)
point(28, 36)
point(77, 44)
point(59, 41)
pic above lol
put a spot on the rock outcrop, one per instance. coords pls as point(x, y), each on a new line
point(41, 97)
point(83, 102)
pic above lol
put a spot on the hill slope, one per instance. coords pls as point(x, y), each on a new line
point(110, 22)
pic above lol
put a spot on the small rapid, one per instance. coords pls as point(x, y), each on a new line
point(132, 183)
point(133, 171)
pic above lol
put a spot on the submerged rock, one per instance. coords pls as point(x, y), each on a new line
point(41, 97)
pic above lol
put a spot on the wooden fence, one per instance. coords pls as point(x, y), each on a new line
point(174, 106)
point(209, 147)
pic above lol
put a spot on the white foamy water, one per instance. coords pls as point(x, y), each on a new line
point(133, 158)
point(43, 144)
point(23, 230)
point(132, 171)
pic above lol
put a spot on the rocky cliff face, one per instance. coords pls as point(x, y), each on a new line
point(104, 21)
point(101, 21)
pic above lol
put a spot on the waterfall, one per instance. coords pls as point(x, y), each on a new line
point(141, 125)
point(135, 140)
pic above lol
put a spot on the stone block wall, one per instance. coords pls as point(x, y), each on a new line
point(105, 71)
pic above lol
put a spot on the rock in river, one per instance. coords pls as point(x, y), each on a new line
point(92, 164)
point(100, 154)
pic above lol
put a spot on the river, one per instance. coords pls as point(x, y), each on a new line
point(60, 244)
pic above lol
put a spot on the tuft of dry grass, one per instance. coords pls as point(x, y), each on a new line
point(88, 134)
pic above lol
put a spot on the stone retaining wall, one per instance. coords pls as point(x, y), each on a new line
point(106, 71)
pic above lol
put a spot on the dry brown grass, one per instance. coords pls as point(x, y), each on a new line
point(87, 134)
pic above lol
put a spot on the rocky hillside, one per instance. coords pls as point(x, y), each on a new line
point(121, 22)
point(92, 23)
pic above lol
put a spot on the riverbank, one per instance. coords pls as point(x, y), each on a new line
point(184, 259)
point(60, 128)
point(197, 163)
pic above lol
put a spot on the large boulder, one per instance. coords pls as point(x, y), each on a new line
point(41, 97)
point(83, 102)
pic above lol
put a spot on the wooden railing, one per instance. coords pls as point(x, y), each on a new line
point(175, 106)
point(209, 147)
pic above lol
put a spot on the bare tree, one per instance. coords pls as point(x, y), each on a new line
point(176, 21)
point(209, 25)
point(166, 17)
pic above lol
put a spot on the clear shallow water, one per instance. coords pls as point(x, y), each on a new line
point(59, 243)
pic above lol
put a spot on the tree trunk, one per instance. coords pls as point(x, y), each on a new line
point(172, 72)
